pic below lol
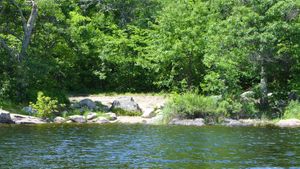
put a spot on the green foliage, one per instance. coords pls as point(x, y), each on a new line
point(176, 45)
point(230, 107)
point(218, 47)
point(121, 112)
point(192, 105)
point(45, 106)
point(213, 84)
point(72, 112)
point(212, 108)
point(103, 114)
point(11, 107)
point(292, 110)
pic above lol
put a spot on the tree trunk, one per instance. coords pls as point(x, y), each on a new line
point(190, 69)
point(263, 87)
point(28, 27)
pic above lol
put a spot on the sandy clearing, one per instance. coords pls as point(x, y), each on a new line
point(144, 101)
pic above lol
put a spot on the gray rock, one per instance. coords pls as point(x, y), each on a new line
point(288, 123)
point(77, 119)
point(127, 104)
point(101, 120)
point(246, 122)
point(188, 122)
point(232, 123)
point(22, 119)
point(59, 120)
point(5, 117)
point(29, 110)
point(149, 113)
point(91, 116)
point(88, 103)
point(112, 116)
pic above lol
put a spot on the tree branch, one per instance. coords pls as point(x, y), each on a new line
point(21, 14)
point(6, 47)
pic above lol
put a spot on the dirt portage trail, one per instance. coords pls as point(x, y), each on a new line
point(145, 101)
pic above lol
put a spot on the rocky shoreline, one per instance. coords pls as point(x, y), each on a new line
point(10, 118)
point(150, 114)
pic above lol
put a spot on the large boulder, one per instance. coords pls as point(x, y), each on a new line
point(127, 104)
point(22, 119)
point(288, 123)
point(77, 119)
point(5, 117)
point(88, 103)
point(188, 122)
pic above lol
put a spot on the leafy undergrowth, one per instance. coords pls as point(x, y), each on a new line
point(190, 105)
point(292, 111)
point(121, 112)
point(12, 107)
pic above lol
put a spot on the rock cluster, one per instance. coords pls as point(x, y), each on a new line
point(150, 115)
point(288, 123)
point(9, 118)
point(188, 122)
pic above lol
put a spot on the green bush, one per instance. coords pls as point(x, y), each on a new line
point(45, 106)
point(292, 110)
point(191, 105)
point(56, 94)
point(229, 107)
point(121, 112)
point(72, 112)
point(11, 106)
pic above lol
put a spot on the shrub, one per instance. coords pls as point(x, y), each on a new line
point(229, 107)
point(292, 110)
point(45, 105)
point(121, 112)
point(191, 105)
point(11, 106)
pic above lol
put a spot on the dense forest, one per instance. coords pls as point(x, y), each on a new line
point(210, 47)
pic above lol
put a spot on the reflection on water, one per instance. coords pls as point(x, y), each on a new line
point(142, 146)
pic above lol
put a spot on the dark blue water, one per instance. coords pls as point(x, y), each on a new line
point(143, 146)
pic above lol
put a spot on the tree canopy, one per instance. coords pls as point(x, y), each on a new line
point(220, 47)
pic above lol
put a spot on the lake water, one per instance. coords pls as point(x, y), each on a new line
point(143, 146)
